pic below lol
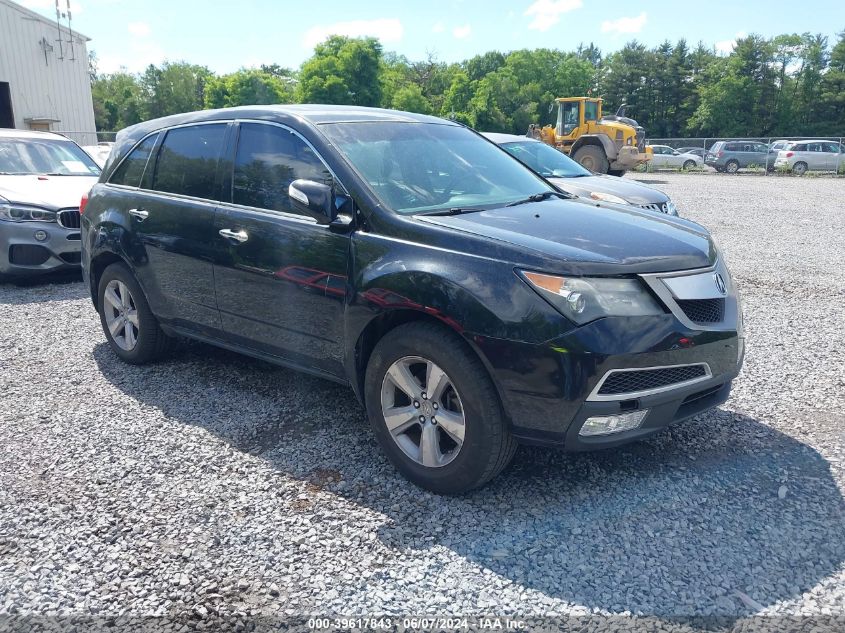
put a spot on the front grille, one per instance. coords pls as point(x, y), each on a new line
point(68, 218)
point(622, 382)
point(28, 255)
point(660, 207)
point(703, 310)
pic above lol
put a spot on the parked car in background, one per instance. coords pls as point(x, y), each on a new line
point(731, 156)
point(814, 155)
point(42, 178)
point(774, 149)
point(665, 156)
point(698, 151)
point(567, 175)
point(468, 303)
point(99, 152)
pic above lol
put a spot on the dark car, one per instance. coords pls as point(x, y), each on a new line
point(468, 303)
point(731, 156)
point(567, 175)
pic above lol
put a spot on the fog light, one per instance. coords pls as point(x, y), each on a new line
point(41, 235)
point(607, 424)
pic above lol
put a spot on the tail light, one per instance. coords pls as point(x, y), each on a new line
point(720, 154)
point(790, 154)
point(83, 203)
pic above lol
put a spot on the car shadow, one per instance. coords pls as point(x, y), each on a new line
point(690, 522)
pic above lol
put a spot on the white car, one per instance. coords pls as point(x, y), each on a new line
point(665, 156)
point(43, 177)
point(99, 152)
point(813, 155)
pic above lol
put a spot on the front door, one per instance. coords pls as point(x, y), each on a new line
point(281, 278)
point(172, 216)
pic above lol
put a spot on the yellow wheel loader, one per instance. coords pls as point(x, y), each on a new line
point(603, 144)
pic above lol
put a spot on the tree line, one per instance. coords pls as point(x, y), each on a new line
point(789, 85)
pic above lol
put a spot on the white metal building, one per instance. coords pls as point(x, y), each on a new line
point(44, 82)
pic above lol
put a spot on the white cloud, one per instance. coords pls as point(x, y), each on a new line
point(438, 28)
point(385, 29)
point(547, 12)
point(725, 47)
point(462, 32)
point(139, 29)
point(624, 25)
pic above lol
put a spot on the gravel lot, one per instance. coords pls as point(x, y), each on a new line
point(215, 485)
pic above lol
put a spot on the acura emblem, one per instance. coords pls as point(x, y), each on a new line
point(720, 283)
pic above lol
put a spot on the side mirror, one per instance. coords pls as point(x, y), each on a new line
point(314, 199)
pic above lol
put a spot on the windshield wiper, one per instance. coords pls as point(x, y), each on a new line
point(539, 197)
point(453, 211)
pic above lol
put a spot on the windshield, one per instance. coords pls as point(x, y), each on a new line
point(545, 160)
point(35, 156)
point(417, 167)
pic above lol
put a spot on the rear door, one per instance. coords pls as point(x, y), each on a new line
point(173, 217)
point(831, 154)
point(281, 283)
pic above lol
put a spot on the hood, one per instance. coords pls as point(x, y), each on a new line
point(50, 192)
point(614, 240)
point(628, 190)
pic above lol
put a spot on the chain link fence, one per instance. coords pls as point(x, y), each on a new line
point(813, 154)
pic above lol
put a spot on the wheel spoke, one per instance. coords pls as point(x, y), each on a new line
point(430, 454)
point(399, 419)
point(111, 296)
point(435, 381)
point(401, 376)
point(124, 294)
point(132, 317)
point(115, 325)
point(129, 334)
point(453, 424)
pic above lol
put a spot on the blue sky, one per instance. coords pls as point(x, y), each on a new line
point(226, 34)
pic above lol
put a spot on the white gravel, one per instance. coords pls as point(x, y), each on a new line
point(212, 485)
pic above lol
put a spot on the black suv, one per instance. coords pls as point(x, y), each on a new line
point(468, 303)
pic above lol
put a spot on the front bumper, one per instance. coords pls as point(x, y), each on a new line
point(22, 255)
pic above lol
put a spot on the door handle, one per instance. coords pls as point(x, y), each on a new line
point(141, 214)
point(238, 236)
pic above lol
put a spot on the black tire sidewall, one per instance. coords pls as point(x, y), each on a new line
point(690, 164)
point(145, 346)
point(483, 415)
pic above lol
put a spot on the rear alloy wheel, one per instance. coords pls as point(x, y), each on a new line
point(128, 323)
point(799, 169)
point(732, 167)
point(592, 158)
point(434, 409)
point(690, 164)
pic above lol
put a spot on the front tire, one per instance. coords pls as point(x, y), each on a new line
point(435, 411)
point(690, 164)
point(592, 158)
point(128, 323)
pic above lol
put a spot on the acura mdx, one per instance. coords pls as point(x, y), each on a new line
point(468, 303)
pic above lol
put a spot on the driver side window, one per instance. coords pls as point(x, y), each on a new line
point(268, 159)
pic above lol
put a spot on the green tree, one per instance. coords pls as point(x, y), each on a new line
point(173, 88)
point(411, 99)
point(343, 70)
point(247, 87)
point(118, 101)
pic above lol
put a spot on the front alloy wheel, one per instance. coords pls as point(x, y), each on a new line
point(121, 315)
point(422, 411)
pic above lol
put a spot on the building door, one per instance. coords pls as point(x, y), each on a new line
point(7, 117)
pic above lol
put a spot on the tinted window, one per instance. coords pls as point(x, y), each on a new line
point(132, 168)
point(831, 147)
point(269, 158)
point(591, 111)
point(545, 160)
point(732, 147)
point(187, 161)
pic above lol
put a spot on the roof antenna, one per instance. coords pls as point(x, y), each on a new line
point(70, 32)
point(59, 29)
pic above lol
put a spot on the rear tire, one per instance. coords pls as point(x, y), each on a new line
point(732, 167)
point(592, 158)
point(799, 168)
point(418, 354)
point(128, 323)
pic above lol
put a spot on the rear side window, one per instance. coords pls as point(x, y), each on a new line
point(187, 161)
point(799, 148)
point(268, 159)
point(132, 168)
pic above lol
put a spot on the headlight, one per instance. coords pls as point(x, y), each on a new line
point(11, 212)
point(585, 299)
point(671, 209)
point(607, 197)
